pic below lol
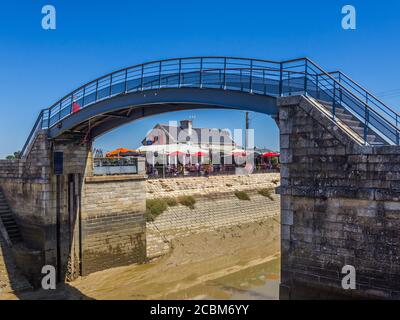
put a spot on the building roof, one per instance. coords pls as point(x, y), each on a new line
point(183, 134)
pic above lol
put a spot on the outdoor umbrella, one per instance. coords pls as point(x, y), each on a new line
point(176, 154)
point(270, 154)
point(200, 154)
point(121, 152)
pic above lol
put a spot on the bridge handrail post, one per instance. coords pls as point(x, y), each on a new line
point(71, 104)
point(251, 76)
point(334, 102)
point(159, 75)
point(41, 116)
point(141, 78)
point(281, 80)
point(179, 73)
point(240, 80)
point(126, 81)
point(366, 125)
point(264, 84)
point(59, 112)
point(97, 91)
point(397, 130)
point(83, 96)
point(48, 118)
point(305, 77)
point(110, 92)
point(201, 73)
point(225, 73)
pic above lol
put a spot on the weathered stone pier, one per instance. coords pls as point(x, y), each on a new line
point(339, 206)
point(75, 221)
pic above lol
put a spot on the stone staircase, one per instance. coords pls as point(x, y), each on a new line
point(354, 124)
point(11, 280)
point(8, 220)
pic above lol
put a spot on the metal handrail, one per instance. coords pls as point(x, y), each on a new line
point(153, 62)
point(36, 127)
point(368, 95)
point(286, 74)
point(367, 107)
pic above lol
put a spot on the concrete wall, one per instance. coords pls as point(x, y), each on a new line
point(340, 205)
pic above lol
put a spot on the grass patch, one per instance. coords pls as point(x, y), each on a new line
point(171, 202)
point(187, 201)
point(241, 195)
point(154, 207)
point(266, 193)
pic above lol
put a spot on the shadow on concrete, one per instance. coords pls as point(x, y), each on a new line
point(14, 284)
point(64, 291)
point(11, 279)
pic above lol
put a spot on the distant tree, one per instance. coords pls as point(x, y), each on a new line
point(16, 155)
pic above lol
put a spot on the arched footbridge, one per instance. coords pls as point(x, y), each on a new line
point(339, 187)
point(214, 82)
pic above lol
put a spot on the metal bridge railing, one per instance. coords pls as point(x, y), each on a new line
point(367, 96)
point(265, 77)
point(324, 86)
point(115, 166)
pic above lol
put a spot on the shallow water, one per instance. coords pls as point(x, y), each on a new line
point(259, 282)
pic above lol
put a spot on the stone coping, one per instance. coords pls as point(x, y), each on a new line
point(115, 178)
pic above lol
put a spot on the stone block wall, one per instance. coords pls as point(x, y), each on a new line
point(26, 185)
point(76, 224)
point(222, 211)
point(113, 224)
point(339, 206)
point(209, 186)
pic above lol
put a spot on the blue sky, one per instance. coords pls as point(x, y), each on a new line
point(95, 37)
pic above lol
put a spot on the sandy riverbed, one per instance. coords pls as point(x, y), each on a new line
point(190, 271)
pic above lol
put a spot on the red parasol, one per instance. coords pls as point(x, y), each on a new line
point(270, 154)
point(200, 154)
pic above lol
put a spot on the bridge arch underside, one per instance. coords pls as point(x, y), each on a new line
point(101, 117)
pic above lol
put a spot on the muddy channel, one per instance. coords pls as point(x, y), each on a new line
point(239, 262)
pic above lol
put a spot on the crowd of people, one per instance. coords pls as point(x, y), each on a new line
point(198, 169)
